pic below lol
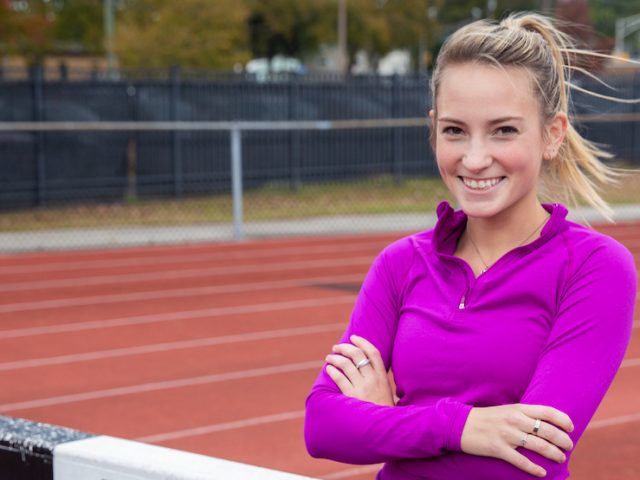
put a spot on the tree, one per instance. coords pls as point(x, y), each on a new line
point(79, 26)
point(29, 31)
point(6, 26)
point(604, 14)
point(189, 33)
point(290, 27)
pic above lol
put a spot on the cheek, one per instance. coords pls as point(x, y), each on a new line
point(446, 156)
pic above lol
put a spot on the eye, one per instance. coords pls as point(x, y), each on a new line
point(452, 130)
point(507, 130)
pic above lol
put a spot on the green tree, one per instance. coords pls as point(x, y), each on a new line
point(6, 27)
point(290, 27)
point(79, 26)
point(604, 14)
point(189, 33)
point(29, 31)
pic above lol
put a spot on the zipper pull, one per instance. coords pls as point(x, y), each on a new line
point(461, 306)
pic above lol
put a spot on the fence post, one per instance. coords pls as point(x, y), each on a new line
point(635, 124)
point(294, 139)
point(37, 89)
point(64, 71)
point(236, 182)
point(397, 132)
point(176, 145)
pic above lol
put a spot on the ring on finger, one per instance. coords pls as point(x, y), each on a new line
point(523, 440)
point(536, 426)
point(362, 363)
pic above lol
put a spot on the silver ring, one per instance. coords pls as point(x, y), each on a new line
point(362, 363)
point(523, 441)
point(536, 426)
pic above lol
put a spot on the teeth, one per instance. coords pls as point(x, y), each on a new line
point(481, 184)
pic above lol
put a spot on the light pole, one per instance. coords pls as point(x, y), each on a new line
point(107, 6)
point(342, 36)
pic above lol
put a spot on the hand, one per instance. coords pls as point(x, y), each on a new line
point(498, 431)
point(369, 382)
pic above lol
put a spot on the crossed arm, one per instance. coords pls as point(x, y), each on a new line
point(354, 407)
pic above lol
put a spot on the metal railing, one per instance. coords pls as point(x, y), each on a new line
point(236, 129)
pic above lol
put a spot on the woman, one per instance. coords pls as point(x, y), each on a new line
point(505, 324)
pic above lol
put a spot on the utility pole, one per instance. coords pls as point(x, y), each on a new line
point(107, 6)
point(342, 37)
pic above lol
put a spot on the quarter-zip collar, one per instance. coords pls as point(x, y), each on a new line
point(451, 223)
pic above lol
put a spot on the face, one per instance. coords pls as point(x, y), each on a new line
point(489, 139)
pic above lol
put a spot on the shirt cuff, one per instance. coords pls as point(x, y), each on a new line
point(459, 419)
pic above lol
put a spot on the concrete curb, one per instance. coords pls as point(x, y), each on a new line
point(215, 232)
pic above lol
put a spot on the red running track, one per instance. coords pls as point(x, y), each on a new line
point(213, 348)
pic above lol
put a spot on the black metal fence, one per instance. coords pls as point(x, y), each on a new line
point(48, 168)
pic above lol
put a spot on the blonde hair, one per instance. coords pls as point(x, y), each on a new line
point(531, 41)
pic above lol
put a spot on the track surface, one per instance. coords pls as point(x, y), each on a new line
point(213, 348)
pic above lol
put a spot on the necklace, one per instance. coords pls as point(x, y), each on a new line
point(475, 247)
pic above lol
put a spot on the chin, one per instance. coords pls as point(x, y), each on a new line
point(480, 209)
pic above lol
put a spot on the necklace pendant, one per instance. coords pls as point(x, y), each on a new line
point(484, 270)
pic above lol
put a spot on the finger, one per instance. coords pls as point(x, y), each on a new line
point(549, 414)
point(340, 380)
point(542, 447)
point(547, 432)
point(370, 351)
point(354, 353)
point(346, 365)
point(523, 463)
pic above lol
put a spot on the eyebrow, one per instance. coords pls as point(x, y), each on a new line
point(491, 122)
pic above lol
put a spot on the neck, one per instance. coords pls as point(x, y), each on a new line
point(496, 235)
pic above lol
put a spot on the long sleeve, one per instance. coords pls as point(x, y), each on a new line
point(354, 431)
point(587, 342)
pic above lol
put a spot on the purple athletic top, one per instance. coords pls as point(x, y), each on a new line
point(547, 324)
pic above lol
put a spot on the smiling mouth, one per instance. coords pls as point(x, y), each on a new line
point(483, 184)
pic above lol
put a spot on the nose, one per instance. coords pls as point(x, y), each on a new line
point(477, 157)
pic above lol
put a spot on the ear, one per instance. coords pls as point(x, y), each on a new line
point(555, 132)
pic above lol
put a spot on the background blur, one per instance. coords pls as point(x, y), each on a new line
point(249, 60)
point(136, 122)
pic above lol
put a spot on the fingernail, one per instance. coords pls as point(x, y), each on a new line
point(542, 472)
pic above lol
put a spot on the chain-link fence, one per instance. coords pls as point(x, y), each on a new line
point(148, 158)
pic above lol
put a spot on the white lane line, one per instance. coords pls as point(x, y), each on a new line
point(353, 472)
point(197, 257)
point(173, 316)
point(607, 422)
point(178, 274)
point(156, 386)
point(170, 346)
point(174, 293)
point(630, 362)
point(222, 427)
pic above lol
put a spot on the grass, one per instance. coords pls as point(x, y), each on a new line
point(276, 201)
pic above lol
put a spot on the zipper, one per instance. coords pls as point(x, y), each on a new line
point(461, 305)
point(464, 300)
